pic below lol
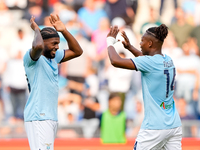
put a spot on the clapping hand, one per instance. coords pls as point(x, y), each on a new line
point(126, 41)
point(57, 23)
point(34, 25)
point(113, 31)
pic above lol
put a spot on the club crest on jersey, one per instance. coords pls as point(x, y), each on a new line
point(42, 114)
point(162, 105)
point(48, 146)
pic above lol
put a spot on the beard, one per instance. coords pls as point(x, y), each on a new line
point(47, 54)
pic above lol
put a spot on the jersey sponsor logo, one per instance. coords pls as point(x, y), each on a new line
point(162, 105)
point(48, 145)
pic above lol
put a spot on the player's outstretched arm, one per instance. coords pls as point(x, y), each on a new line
point(38, 44)
point(128, 46)
point(74, 48)
point(115, 59)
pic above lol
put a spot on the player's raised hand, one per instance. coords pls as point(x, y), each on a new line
point(33, 24)
point(113, 31)
point(57, 23)
point(126, 41)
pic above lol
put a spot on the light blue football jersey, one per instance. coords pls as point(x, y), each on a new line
point(42, 77)
point(158, 76)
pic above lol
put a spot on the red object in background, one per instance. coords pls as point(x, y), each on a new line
point(52, 2)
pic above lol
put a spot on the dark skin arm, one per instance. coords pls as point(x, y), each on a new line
point(115, 59)
point(128, 46)
point(38, 44)
point(74, 48)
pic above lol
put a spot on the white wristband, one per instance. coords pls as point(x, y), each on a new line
point(110, 41)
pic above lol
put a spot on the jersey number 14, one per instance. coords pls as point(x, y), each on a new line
point(168, 85)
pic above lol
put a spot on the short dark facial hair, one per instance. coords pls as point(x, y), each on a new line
point(47, 53)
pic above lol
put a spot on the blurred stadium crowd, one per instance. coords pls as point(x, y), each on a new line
point(86, 82)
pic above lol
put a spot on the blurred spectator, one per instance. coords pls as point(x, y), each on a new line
point(197, 13)
point(14, 77)
point(195, 34)
point(37, 12)
point(92, 81)
point(16, 4)
point(187, 85)
point(99, 39)
point(90, 16)
point(90, 104)
point(1, 104)
point(188, 6)
point(58, 7)
point(68, 114)
point(21, 43)
point(69, 108)
point(189, 131)
point(119, 80)
point(75, 4)
point(113, 122)
point(162, 2)
point(170, 47)
point(191, 9)
point(73, 94)
point(133, 126)
point(132, 94)
point(121, 8)
point(193, 45)
point(5, 15)
point(133, 4)
point(72, 70)
point(65, 12)
point(42, 3)
point(5, 131)
point(89, 122)
point(3, 61)
point(152, 22)
point(68, 111)
point(180, 28)
point(17, 84)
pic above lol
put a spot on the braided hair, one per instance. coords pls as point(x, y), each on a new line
point(159, 32)
point(48, 32)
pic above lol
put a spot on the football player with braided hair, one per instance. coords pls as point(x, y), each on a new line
point(161, 127)
point(41, 67)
